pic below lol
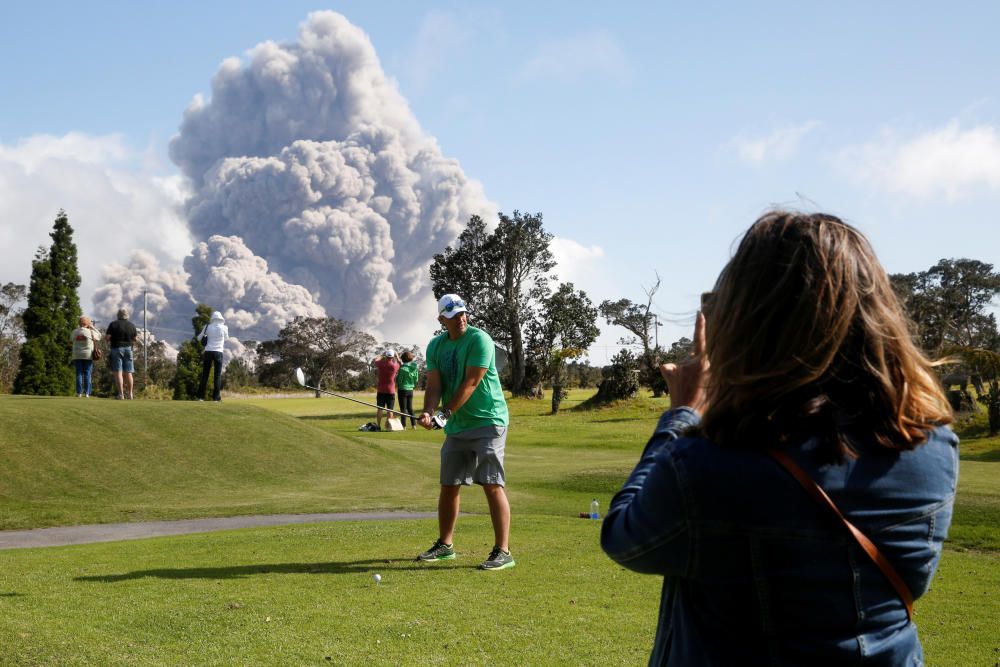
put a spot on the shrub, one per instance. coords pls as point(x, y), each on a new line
point(620, 378)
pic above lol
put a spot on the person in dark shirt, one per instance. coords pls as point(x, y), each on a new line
point(121, 335)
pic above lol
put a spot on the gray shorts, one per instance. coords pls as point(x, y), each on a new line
point(475, 455)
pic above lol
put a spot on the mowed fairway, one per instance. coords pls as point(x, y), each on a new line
point(305, 594)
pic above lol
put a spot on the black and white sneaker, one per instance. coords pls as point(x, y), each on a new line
point(438, 551)
point(498, 560)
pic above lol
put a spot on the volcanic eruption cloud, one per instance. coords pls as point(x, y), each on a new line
point(313, 190)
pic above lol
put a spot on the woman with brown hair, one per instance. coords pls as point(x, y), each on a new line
point(796, 495)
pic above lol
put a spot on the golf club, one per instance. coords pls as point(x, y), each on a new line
point(438, 420)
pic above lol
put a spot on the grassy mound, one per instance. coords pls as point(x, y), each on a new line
point(70, 461)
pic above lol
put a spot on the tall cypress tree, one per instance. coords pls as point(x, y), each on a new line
point(188, 375)
point(52, 314)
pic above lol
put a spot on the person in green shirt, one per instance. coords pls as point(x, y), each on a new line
point(462, 377)
point(406, 382)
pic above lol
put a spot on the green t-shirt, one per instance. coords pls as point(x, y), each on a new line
point(450, 357)
point(406, 379)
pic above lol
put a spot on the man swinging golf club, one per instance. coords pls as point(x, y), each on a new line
point(462, 375)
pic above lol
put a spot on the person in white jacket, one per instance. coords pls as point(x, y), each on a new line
point(215, 334)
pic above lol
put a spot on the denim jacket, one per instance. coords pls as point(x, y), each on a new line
point(756, 572)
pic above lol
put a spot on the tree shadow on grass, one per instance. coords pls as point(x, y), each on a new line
point(10, 595)
point(243, 571)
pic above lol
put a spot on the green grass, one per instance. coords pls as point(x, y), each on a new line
point(295, 595)
point(300, 594)
point(976, 524)
point(957, 618)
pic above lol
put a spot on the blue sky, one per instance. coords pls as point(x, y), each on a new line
point(650, 135)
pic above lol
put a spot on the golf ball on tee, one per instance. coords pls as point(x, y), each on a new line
point(378, 578)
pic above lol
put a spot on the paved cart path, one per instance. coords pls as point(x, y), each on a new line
point(113, 532)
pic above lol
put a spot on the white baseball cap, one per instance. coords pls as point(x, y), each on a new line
point(390, 353)
point(451, 305)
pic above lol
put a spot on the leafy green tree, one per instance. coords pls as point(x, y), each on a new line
point(239, 373)
point(11, 331)
point(949, 304)
point(679, 351)
point(991, 399)
point(987, 362)
point(620, 378)
point(36, 355)
point(639, 320)
point(185, 382)
point(563, 331)
point(160, 368)
point(52, 314)
point(582, 374)
point(328, 350)
point(503, 275)
point(188, 374)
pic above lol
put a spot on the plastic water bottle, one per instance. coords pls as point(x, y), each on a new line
point(595, 509)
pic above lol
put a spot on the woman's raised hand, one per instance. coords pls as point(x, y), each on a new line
point(686, 381)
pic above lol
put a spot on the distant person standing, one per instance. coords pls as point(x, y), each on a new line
point(121, 335)
point(215, 332)
point(462, 376)
point(387, 366)
point(84, 339)
point(406, 382)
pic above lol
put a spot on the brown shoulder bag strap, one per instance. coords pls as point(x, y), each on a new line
point(820, 496)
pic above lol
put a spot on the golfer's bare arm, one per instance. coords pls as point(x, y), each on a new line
point(473, 376)
point(432, 393)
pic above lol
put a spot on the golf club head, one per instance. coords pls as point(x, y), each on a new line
point(300, 376)
point(439, 420)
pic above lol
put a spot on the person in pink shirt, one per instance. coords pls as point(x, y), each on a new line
point(387, 364)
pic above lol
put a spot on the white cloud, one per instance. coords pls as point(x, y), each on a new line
point(585, 267)
point(575, 262)
point(571, 59)
point(417, 324)
point(42, 149)
point(114, 204)
point(782, 144)
point(950, 161)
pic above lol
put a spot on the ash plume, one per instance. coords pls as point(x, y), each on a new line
point(169, 305)
point(258, 302)
point(314, 189)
